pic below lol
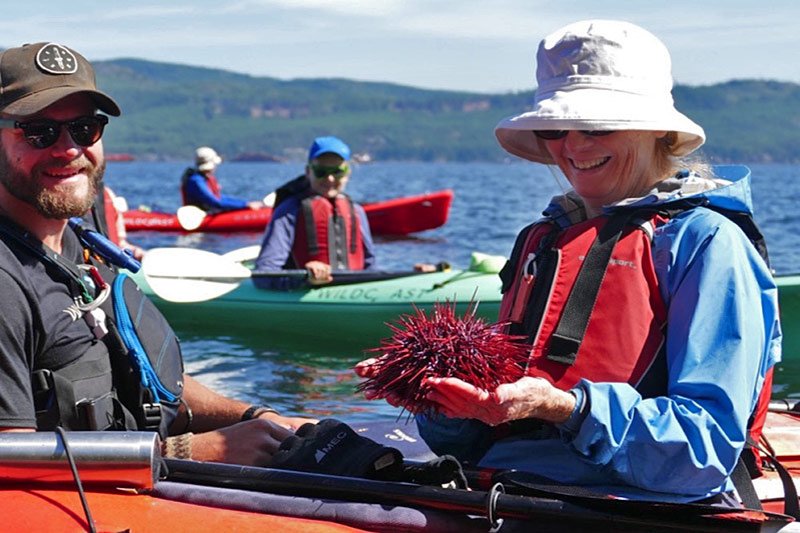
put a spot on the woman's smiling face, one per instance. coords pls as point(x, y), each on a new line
point(609, 168)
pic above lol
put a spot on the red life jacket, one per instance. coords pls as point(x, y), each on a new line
point(628, 304)
point(111, 215)
point(545, 265)
point(213, 185)
point(211, 181)
point(328, 231)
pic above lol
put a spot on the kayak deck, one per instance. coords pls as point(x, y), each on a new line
point(125, 510)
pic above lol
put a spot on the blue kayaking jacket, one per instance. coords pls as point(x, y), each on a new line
point(723, 335)
point(196, 191)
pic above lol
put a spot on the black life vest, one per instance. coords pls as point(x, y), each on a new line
point(111, 385)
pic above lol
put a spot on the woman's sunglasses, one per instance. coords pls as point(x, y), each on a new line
point(43, 133)
point(552, 135)
point(322, 172)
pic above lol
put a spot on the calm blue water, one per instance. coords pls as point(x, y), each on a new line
point(492, 203)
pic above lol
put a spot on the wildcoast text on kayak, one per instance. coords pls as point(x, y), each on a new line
point(358, 294)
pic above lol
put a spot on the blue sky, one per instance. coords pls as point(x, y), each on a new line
point(472, 45)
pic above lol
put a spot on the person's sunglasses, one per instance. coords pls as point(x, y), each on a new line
point(552, 135)
point(322, 172)
point(43, 133)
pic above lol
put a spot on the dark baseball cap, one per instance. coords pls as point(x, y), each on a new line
point(34, 76)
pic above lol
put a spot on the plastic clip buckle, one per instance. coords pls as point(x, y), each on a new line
point(152, 415)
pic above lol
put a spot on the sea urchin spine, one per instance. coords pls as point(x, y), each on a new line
point(443, 345)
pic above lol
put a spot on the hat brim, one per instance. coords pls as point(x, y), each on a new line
point(33, 103)
point(594, 109)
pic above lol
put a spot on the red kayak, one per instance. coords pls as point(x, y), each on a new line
point(397, 216)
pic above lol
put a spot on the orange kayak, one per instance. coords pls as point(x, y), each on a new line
point(40, 495)
point(60, 510)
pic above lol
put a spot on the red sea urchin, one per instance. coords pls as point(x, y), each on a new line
point(443, 345)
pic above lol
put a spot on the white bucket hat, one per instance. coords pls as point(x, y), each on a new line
point(206, 158)
point(599, 75)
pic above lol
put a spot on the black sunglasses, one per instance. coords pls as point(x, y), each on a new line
point(552, 135)
point(43, 133)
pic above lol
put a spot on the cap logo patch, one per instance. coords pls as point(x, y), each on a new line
point(56, 59)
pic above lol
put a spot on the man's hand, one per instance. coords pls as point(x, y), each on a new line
point(255, 205)
point(251, 443)
point(319, 273)
point(528, 397)
point(289, 422)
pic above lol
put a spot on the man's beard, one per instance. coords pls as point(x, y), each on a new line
point(60, 202)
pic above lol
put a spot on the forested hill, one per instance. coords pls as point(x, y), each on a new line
point(169, 109)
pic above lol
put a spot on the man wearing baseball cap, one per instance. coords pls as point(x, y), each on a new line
point(315, 225)
point(58, 333)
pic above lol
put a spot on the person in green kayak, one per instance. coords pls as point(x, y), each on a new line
point(70, 354)
point(315, 225)
point(649, 316)
point(200, 187)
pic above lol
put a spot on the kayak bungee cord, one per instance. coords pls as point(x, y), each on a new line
point(71, 460)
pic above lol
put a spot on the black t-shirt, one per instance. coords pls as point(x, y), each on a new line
point(39, 327)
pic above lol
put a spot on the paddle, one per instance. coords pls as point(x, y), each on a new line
point(189, 275)
point(190, 217)
point(552, 509)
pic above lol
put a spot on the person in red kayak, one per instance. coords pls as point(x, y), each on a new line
point(315, 225)
point(71, 355)
point(200, 187)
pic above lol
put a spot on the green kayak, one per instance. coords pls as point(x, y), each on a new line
point(789, 296)
point(339, 318)
point(215, 294)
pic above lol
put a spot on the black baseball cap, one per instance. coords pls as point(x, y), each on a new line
point(34, 76)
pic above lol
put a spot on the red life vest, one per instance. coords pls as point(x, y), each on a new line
point(213, 185)
point(328, 231)
point(108, 224)
point(628, 306)
point(211, 181)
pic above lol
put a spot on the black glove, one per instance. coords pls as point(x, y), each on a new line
point(332, 447)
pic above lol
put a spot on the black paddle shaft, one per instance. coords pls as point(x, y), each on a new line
point(538, 510)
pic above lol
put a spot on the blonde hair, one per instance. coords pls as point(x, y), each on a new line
point(668, 164)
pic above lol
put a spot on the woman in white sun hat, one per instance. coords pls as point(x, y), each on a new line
point(200, 187)
point(652, 318)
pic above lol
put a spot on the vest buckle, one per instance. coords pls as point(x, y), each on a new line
point(151, 413)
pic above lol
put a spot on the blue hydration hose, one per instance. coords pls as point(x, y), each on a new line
point(102, 246)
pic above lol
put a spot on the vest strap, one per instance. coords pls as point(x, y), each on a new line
point(566, 341)
point(311, 228)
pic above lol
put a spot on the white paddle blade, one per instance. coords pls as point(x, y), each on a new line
point(189, 275)
point(190, 217)
point(186, 290)
point(190, 263)
point(269, 200)
point(248, 253)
